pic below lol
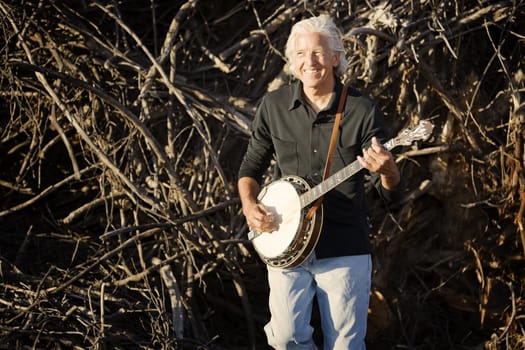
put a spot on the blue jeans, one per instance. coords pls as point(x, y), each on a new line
point(342, 286)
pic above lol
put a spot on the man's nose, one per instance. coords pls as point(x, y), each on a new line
point(311, 57)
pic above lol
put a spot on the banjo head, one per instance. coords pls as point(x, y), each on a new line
point(281, 198)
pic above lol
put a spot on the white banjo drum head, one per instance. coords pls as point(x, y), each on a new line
point(280, 198)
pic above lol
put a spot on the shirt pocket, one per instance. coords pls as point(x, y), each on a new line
point(287, 156)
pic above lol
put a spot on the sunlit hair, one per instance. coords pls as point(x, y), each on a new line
point(325, 26)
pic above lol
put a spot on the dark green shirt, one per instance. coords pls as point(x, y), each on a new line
point(287, 128)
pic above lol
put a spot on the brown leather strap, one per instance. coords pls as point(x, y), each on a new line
point(333, 139)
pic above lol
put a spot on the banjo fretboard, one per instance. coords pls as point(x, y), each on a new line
point(406, 137)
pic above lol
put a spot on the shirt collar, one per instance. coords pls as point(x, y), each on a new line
point(298, 98)
point(297, 95)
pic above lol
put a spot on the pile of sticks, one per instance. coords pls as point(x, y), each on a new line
point(122, 129)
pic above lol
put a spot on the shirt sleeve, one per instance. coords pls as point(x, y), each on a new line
point(260, 148)
point(376, 127)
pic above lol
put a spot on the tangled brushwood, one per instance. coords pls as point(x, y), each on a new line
point(122, 126)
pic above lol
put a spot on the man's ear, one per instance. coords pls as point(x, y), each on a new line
point(337, 58)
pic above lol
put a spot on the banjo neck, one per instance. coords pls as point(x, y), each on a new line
point(405, 137)
point(331, 182)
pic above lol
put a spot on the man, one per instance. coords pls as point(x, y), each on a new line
point(294, 124)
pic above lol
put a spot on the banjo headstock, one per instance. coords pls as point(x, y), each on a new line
point(406, 136)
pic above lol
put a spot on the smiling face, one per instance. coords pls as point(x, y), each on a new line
point(313, 61)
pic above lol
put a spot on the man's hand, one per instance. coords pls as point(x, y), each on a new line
point(259, 219)
point(378, 160)
point(257, 216)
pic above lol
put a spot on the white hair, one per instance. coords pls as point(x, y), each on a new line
point(325, 26)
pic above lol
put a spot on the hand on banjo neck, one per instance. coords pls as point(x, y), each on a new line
point(379, 160)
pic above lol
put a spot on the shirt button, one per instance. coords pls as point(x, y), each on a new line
point(315, 150)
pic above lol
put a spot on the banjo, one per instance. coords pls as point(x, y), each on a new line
point(290, 198)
